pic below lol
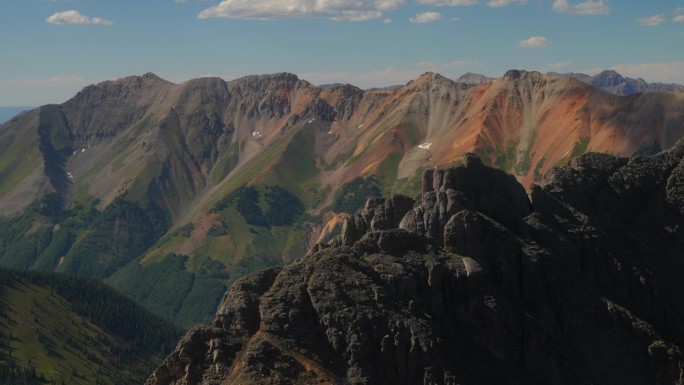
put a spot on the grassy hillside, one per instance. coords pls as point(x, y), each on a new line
point(57, 328)
point(252, 228)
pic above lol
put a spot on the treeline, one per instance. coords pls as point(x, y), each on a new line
point(104, 307)
point(280, 206)
point(13, 374)
point(91, 242)
point(167, 288)
point(118, 234)
point(352, 196)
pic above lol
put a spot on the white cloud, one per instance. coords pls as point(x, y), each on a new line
point(339, 10)
point(589, 7)
point(426, 17)
point(455, 19)
point(503, 3)
point(74, 17)
point(180, 1)
point(387, 21)
point(448, 3)
point(678, 19)
point(652, 21)
point(535, 42)
point(655, 72)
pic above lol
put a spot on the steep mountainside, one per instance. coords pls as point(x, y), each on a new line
point(475, 283)
point(172, 191)
point(617, 84)
point(65, 329)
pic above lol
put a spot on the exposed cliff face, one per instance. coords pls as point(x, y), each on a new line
point(475, 284)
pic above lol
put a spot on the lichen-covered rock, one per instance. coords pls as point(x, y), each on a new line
point(473, 284)
point(378, 214)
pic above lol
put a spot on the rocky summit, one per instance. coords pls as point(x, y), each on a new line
point(578, 282)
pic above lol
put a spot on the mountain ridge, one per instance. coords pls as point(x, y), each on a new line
point(153, 160)
point(613, 82)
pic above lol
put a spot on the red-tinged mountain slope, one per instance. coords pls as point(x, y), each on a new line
point(119, 135)
point(137, 177)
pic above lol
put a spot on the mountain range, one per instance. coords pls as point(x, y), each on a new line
point(617, 84)
point(171, 192)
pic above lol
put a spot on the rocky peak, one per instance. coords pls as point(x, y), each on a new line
point(514, 74)
point(346, 90)
point(470, 186)
point(528, 78)
point(431, 78)
point(473, 284)
point(281, 79)
point(608, 78)
point(153, 77)
point(472, 78)
point(533, 77)
point(617, 84)
point(204, 91)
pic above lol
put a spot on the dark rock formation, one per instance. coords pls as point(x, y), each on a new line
point(476, 284)
point(378, 214)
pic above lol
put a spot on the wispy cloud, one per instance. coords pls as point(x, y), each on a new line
point(659, 72)
point(339, 10)
point(535, 42)
point(678, 19)
point(652, 21)
point(387, 21)
point(426, 17)
point(589, 7)
point(74, 17)
point(503, 3)
point(448, 3)
point(465, 3)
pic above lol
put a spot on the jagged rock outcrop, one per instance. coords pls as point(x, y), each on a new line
point(471, 186)
point(479, 285)
point(378, 214)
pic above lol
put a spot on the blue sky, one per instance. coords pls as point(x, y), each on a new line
point(52, 48)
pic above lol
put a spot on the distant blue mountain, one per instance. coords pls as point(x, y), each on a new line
point(7, 113)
